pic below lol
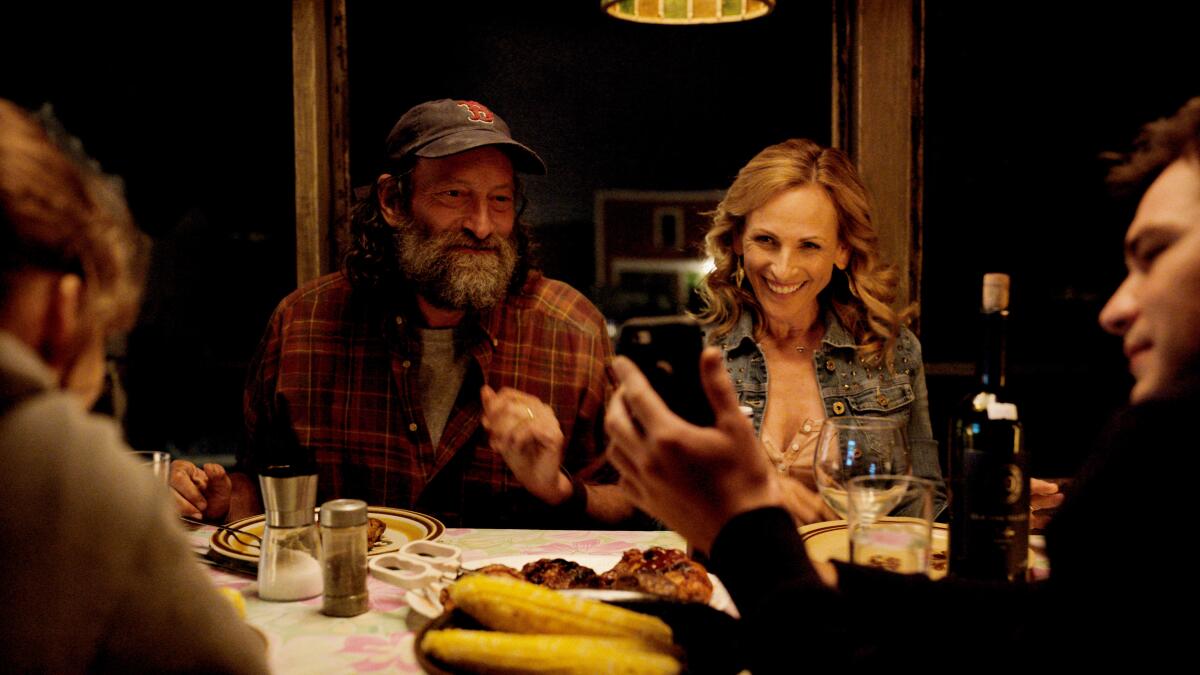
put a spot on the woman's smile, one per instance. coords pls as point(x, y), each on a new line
point(782, 289)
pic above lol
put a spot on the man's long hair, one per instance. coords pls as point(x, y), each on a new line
point(371, 261)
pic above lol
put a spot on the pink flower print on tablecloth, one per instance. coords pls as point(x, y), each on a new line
point(383, 652)
point(584, 547)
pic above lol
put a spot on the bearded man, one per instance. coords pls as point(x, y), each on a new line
point(437, 370)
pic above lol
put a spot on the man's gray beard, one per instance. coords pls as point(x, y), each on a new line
point(452, 279)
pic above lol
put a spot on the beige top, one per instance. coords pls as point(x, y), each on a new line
point(97, 575)
point(797, 457)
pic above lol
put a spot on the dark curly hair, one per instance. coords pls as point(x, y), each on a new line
point(1158, 145)
point(371, 261)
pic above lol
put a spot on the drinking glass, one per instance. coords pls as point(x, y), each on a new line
point(897, 544)
point(857, 446)
point(159, 463)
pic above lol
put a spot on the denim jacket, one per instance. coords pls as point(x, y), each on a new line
point(848, 387)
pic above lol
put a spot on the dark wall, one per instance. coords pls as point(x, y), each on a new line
point(1022, 99)
point(191, 104)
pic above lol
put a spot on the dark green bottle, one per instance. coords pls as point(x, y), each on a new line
point(989, 481)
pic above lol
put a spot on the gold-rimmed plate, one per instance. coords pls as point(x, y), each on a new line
point(403, 526)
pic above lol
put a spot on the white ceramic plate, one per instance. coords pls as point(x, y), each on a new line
point(600, 564)
point(403, 526)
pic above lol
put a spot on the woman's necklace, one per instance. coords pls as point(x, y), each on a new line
point(802, 347)
point(799, 349)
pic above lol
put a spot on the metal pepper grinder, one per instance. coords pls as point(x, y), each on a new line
point(289, 563)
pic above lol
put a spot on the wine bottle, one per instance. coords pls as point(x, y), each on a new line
point(989, 483)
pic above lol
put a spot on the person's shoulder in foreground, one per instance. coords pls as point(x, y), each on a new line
point(100, 581)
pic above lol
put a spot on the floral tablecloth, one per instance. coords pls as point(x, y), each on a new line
point(302, 640)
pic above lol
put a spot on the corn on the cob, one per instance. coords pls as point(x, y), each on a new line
point(521, 607)
point(491, 652)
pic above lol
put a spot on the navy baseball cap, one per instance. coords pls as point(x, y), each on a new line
point(448, 127)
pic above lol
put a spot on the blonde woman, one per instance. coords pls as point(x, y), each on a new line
point(800, 305)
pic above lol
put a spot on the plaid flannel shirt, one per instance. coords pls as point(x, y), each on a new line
point(335, 381)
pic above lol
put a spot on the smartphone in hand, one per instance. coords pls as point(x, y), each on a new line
point(667, 350)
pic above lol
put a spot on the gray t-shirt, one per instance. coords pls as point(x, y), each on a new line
point(443, 369)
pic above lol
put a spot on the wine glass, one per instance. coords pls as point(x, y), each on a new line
point(857, 446)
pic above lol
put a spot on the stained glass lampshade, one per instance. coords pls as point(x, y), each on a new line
point(683, 12)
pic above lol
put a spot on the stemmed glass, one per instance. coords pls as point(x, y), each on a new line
point(857, 446)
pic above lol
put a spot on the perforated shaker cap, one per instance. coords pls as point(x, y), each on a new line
point(343, 513)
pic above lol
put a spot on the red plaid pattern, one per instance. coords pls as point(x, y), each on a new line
point(335, 379)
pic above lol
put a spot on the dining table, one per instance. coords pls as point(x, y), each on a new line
point(300, 639)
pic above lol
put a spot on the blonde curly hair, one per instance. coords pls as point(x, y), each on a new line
point(861, 298)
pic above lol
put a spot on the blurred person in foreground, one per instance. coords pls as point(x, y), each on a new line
point(1121, 576)
point(96, 575)
point(798, 303)
point(438, 370)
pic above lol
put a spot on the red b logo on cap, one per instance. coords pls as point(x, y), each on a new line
point(477, 112)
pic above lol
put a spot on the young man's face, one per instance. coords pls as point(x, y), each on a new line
point(1157, 308)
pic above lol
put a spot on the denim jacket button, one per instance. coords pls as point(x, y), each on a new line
point(830, 365)
point(839, 408)
point(882, 400)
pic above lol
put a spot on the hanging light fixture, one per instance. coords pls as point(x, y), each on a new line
point(684, 12)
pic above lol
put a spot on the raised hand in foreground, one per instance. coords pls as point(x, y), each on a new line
point(692, 478)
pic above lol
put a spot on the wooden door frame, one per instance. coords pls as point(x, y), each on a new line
point(320, 107)
point(878, 119)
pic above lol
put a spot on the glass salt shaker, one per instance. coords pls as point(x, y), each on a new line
point(289, 565)
point(344, 543)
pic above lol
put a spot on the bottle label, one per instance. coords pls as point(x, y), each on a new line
point(990, 529)
point(1002, 411)
point(995, 409)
